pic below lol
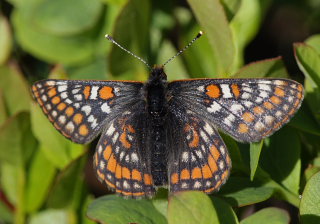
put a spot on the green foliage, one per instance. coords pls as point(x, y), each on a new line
point(42, 173)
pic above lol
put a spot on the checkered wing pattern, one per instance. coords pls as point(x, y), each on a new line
point(199, 159)
point(121, 159)
point(247, 109)
point(80, 109)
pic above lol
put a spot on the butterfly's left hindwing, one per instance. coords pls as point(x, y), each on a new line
point(121, 159)
point(247, 109)
point(80, 109)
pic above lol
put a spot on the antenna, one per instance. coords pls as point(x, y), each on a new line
point(185, 48)
point(129, 52)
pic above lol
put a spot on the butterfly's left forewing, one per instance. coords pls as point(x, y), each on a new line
point(80, 109)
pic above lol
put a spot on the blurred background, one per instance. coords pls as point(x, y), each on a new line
point(45, 177)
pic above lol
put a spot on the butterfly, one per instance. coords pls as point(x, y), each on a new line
point(159, 133)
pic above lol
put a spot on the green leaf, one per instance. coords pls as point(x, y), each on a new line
point(135, 16)
point(310, 201)
point(68, 50)
point(231, 7)
point(6, 216)
point(255, 150)
point(53, 216)
point(16, 141)
point(244, 26)
point(40, 177)
point(281, 158)
point(75, 16)
point(224, 211)
point(191, 207)
point(273, 67)
point(240, 191)
point(5, 40)
point(314, 41)
point(268, 215)
point(56, 147)
point(212, 18)
point(3, 112)
point(11, 81)
point(68, 187)
point(308, 61)
point(116, 210)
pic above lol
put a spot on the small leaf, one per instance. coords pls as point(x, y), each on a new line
point(310, 202)
point(267, 216)
point(240, 191)
point(53, 216)
point(314, 41)
point(191, 207)
point(69, 50)
point(212, 18)
point(40, 176)
point(273, 67)
point(116, 210)
point(224, 211)
point(308, 61)
point(11, 81)
point(281, 158)
point(75, 16)
point(255, 150)
point(5, 40)
point(135, 16)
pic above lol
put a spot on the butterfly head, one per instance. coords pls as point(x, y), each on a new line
point(157, 74)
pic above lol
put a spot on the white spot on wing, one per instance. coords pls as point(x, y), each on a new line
point(62, 88)
point(105, 108)
point(235, 108)
point(226, 91)
point(44, 98)
point(110, 130)
point(264, 87)
point(185, 157)
point(62, 119)
point(94, 92)
point(214, 107)
point(86, 109)
point(208, 129)
point(70, 126)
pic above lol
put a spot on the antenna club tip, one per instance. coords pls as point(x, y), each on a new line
point(108, 37)
point(200, 32)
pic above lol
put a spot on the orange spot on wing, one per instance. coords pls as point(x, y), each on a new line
point(174, 178)
point(217, 184)
point(110, 184)
point(124, 141)
point(279, 92)
point(112, 163)
point(126, 173)
point(268, 105)
point(275, 100)
point(213, 91)
point(34, 88)
point(147, 179)
point(206, 172)
point(100, 175)
point(185, 174)
point(248, 117)
point(52, 92)
point(210, 190)
point(118, 172)
point(212, 164)
point(107, 152)
point(78, 118)
point(258, 110)
point(131, 129)
point(136, 175)
point(86, 92)
point(225, 175)
point(196, 173)
point(195, 141)
point(69, 111)
point(61, 106)
point(235, 90)
point(243, 128)
point(56, 100)
point(300, 88)
point(106, 92)
point(83, 130)
point(299, 95)
point(215, 153)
